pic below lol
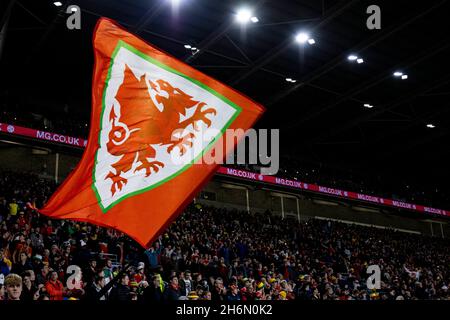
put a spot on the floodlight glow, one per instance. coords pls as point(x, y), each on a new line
point(243, 16)
point(311, 41)
point(352, 57)
point(360, 60)
point(288, 79)
point(302, 37)
point(431, 126)
point(187, 46)
point(368, 105)
point(254, 19)
point(194, 48)
point(294, 81)
point(57, 3)
point(404, 77)
point(398, 74)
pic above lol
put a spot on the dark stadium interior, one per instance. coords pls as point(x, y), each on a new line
point(321, 116)
point(240, 239)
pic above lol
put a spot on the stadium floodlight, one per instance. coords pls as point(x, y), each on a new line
point(398, 74)
point(360, 60)
point(57, 4)
point(74, 9)
point(294, 81)
point(352, 57)
point(288, 79)
point(404, 77)
point(431, 126)
point(194, 49)
point(311, 41)
point(302, 37)
point(254, 19)
point(367, 105)
point(187, 46)
point(243, 16)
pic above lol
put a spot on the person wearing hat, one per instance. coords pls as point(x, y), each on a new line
point(140, 275)
point(193, 295)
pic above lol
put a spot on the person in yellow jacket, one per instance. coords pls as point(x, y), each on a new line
point(13, 208)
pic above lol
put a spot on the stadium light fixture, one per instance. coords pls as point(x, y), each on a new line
point(398, 74)
point(352, 57)
point(431, 126)
point(302, 37)
point(243, 16)
point(74, 9)
point(57, 4)
point(288, 79)
point(311, 41)
point(360, 60)
point(187, 46)
point(404, 77)
point(367, 105)
point(254, 19)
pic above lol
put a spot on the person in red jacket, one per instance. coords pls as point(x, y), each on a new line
point(54, 287)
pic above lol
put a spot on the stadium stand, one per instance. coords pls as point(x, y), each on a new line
point(211, 253)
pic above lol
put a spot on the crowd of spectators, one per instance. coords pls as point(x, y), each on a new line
point(208, 254)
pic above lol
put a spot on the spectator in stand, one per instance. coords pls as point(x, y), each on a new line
point(91, 271)
point(29, 290)
point(219, 292)
point(13, 285)
point(93, 291)
point(54, 287)
point(233, 293)
point(173, 291)
point(155, 290)
point(232, 255)
point(5, 264)
point(13, 208)
point(2, 290)
point(22, 265)
point(122, 291)
point(140, 276)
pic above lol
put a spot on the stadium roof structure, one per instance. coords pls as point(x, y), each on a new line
point(403, 130)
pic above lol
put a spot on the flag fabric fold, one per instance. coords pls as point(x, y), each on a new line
point(150, 116)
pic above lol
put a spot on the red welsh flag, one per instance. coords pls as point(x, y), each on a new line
point(143, 162)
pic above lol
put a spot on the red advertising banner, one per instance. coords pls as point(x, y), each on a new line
point(42, 135)
point(247, 175)
point(325, 190)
